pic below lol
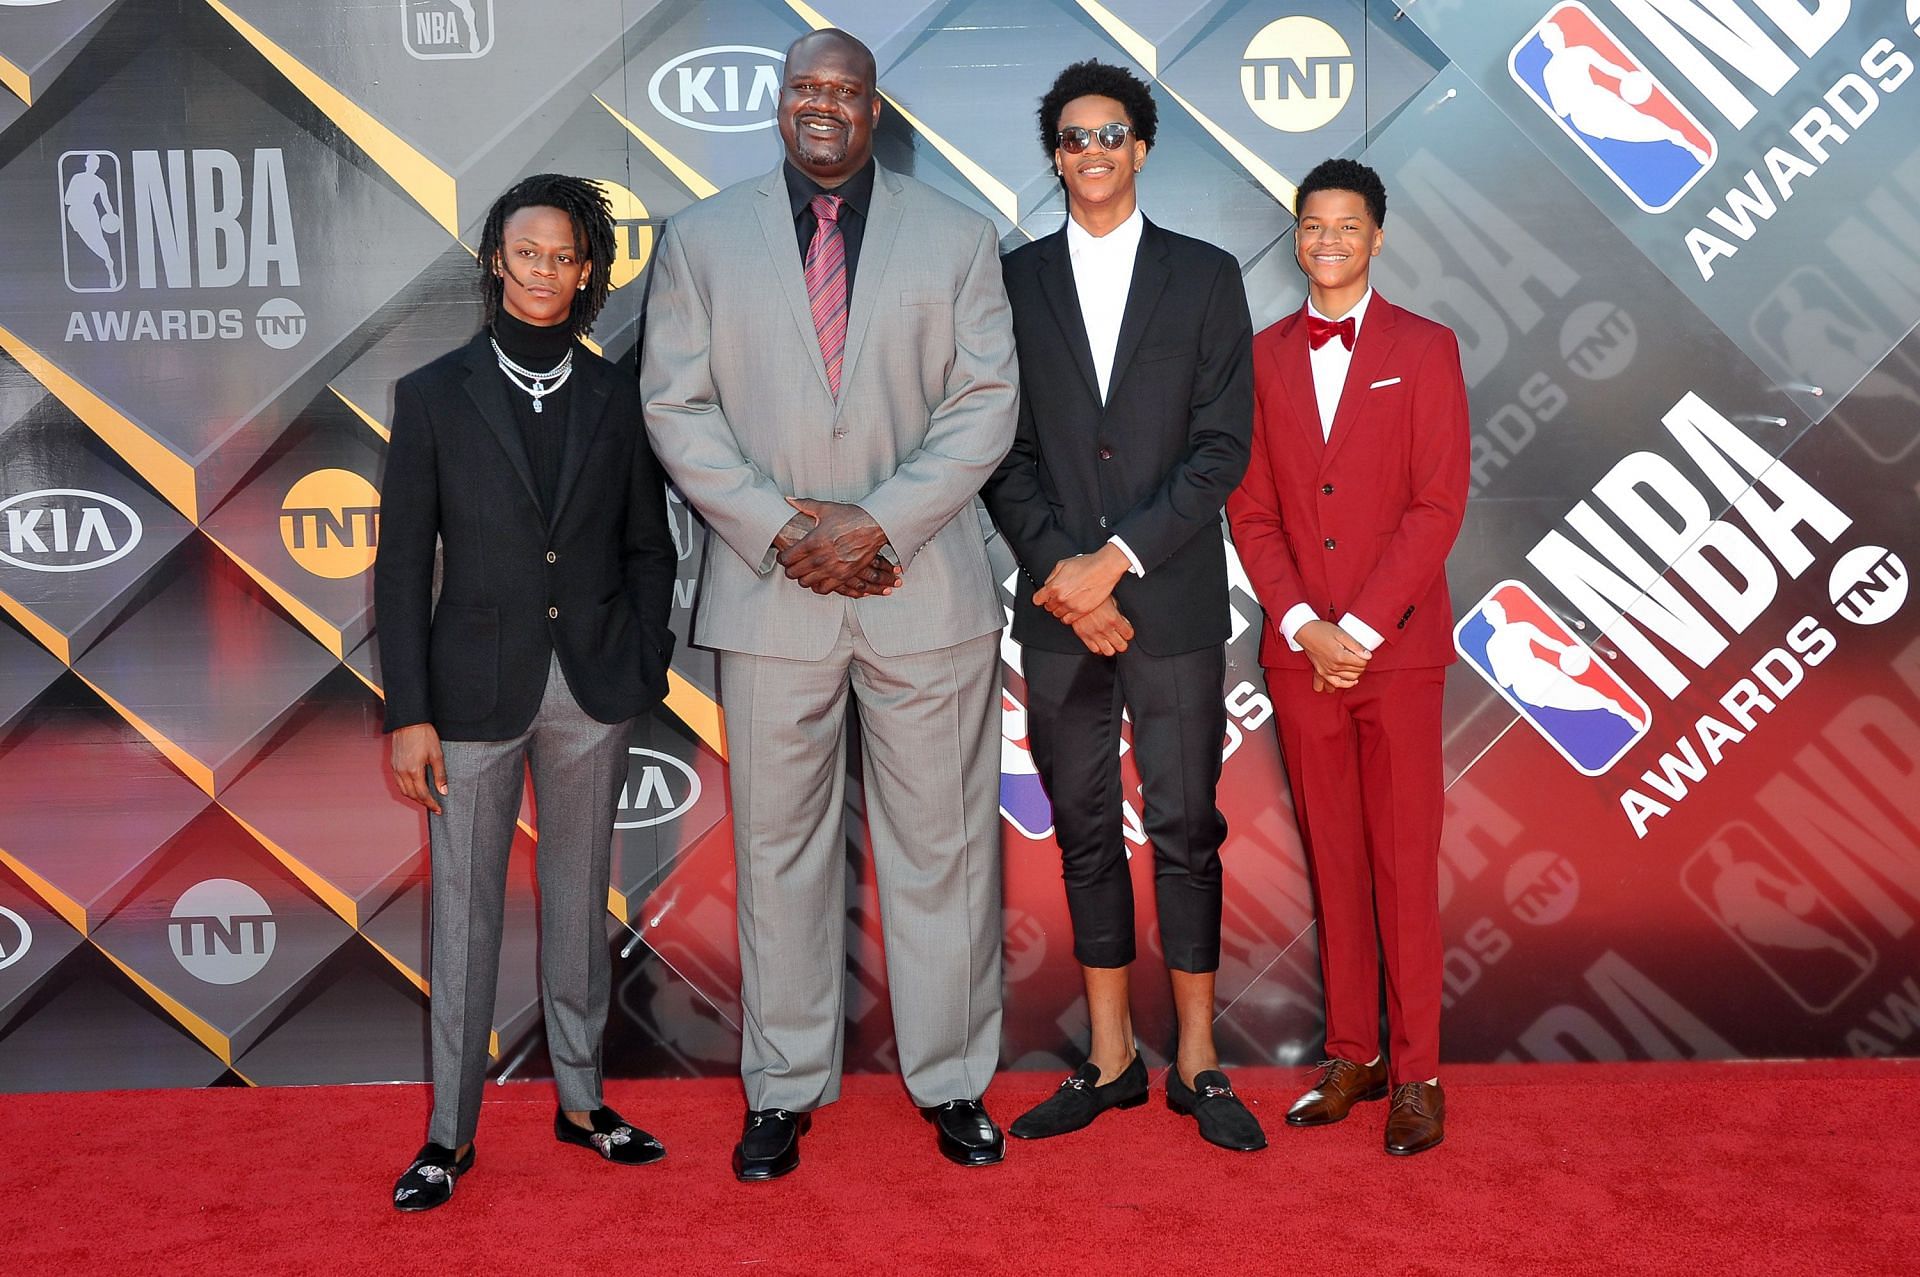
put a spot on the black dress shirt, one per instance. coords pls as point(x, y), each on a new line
point(857, 191)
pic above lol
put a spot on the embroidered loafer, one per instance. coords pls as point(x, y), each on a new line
point(611, 1137)
point(1080, 1099)
point(1210, 1101)
point(429, 1181)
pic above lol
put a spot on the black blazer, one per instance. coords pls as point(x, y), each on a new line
point(593, 580)
point(1156, 464)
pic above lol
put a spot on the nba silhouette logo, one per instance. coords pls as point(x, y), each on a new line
point(1551, 678)
point(1612, 107)
point(1023, 800)
point(93, 239)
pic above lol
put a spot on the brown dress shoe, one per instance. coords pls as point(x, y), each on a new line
point(1343, 1085)
point(1417, 1119)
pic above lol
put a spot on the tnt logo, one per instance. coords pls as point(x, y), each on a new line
point(723, 88)
point(222, 931)
point(436, 29)
point(1550, 677)
point(330, 523)
point(66, 530)
point(658, 788)
point(633, 232)
point(1296, 74)
point(1023, 799)
point(1868, 584)
point(1612, 107)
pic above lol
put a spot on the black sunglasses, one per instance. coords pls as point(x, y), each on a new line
point(1074, 139)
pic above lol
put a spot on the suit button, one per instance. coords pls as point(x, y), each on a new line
point(552, 557)
point(1326, 489)
point(1328, 543)
point(1106, 454)
point(1103, 521)
point(553, 614)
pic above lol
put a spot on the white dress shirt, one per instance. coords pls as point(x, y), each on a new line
point(1330, 364)
point(1102, 278)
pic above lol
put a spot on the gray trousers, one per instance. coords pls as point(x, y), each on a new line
point(578, 766)
point(930, 731)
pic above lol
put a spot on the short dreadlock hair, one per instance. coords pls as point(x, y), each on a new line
point(582, 201)
point(1345, 175)
point(1098, 79)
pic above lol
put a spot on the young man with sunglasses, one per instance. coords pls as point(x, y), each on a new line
point(1355, 494)
point(1135, 419)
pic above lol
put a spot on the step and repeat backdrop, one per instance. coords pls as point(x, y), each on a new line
point(1679, 240)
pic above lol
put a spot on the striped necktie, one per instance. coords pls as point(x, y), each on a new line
point(827, 285)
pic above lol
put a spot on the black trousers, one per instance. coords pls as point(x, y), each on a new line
point(1074, 703)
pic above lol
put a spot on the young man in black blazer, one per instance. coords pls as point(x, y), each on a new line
point(1135, 418)
point(524, 456)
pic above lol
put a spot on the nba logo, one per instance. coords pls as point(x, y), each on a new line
point(1023, 800)
point(1612, 107)
point(93, 247)
point(1550, 677)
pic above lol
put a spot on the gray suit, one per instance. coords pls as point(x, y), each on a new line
point(740, 414)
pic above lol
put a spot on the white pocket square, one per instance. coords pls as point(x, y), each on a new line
point(1391, 381)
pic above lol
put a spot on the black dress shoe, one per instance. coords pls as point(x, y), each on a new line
point(429, 1181)
point(769, 1146)
point(611, 1137)
point(1223, 1119)
point(968, 1136)
point(1079, 1100)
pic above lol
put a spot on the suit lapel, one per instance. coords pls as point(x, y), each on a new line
point(586, 407)
point(1063, 298)
point(1150, 275)
point(776, 222)
point(1296, 371)
point(488, 390)
point(1377, 336)
point(876, 245)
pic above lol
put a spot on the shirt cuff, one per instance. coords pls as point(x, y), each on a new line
point(1368, 636)
point(1297, 615)
point(1133, 560)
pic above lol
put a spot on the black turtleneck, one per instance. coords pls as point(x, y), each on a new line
point(544, 434)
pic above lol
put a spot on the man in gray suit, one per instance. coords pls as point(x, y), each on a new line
point(829, 378)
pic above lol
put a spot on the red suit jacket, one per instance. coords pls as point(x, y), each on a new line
point(1362, 522)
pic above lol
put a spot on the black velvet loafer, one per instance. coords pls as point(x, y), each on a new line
point(968, 1136)
point(429, 1181)
point(769, 1145)
point(611, 1137)
point(1223, 1119)
point(1079, 1100)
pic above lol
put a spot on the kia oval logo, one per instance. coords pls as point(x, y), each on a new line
point(66, 530)
point(723, 88)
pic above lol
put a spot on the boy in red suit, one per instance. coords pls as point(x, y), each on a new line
point(1352, 499)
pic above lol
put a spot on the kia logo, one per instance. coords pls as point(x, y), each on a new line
point(723, 88)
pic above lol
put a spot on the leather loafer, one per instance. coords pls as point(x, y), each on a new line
point(968, 1137)
point(1210, 1101)
point(429, 1181)
point(769, 1146)
point(1080, 1099)
point(611, 1137)
point(1342, 1085)
point(1417, 1118)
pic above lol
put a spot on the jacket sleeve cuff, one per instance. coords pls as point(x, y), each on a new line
point(1133, 560)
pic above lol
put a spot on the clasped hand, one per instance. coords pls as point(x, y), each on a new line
point(1339, 659)
point(834, 548)
point(1078, 585)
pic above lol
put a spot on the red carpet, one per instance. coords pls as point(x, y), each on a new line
point(1695, 1169)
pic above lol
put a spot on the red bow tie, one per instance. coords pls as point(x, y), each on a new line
point(1321, 331)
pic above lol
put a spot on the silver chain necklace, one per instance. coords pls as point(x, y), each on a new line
point(538, 385)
